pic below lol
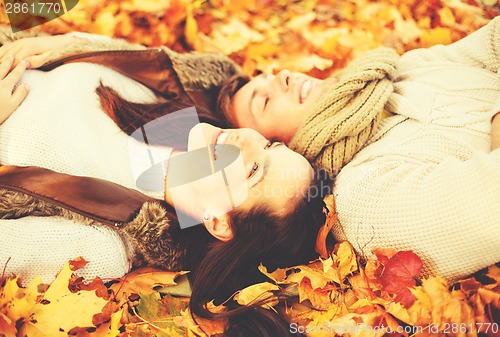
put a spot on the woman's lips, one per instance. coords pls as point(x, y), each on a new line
point(219, 139)
point(213, 142)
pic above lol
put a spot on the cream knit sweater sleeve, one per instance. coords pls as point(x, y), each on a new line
point(34, 246)
point(430, 182)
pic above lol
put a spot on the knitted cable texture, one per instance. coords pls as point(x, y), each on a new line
point(343, 121)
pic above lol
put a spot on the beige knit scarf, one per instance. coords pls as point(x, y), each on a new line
point(340, 124)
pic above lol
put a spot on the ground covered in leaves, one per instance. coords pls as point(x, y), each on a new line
point(336, 295)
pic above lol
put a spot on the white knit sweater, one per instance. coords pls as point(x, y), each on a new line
point(60, 126)
point(429, 181)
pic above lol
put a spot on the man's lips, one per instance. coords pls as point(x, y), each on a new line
point(305, 89)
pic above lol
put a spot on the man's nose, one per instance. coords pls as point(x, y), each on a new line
point(283, 80)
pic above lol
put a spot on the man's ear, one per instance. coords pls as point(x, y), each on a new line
point(219, 227)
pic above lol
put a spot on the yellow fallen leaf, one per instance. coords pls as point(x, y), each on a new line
point(435, 36)
point(330, 271)
point(60, 310)
point(317, 278)
point(257, 292)
point(278, 276)
point(319, 298)
point(345, 259)
point(300, 21)
point(446, 16)
point(191, 28)
point(203, 326)
point(16, 302)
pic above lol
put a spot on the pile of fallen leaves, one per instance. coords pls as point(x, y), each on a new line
point(337, 295)
point(73, 306)
point(314, 36)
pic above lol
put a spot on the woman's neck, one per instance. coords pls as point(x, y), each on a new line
point(182, 197)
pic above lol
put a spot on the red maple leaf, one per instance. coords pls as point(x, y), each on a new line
point(399, 272)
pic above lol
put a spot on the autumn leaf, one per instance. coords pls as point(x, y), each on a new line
point(316, 276)
point(7, 326)
point(257, 291)
point(234, 36)
point(400, 270)
point(202, 326)
point(278, 275)
point(60, 310)
point(143, 280)
point(319, 297)
point(325, 230)
point(156, 311)
point(345, 259)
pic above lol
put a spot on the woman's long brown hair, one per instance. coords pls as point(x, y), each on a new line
point(130, 116)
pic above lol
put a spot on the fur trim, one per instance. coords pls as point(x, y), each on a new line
point(151, 235)
point(6, 34)
point(15, 205)
point(200, 71)
point(149, 232)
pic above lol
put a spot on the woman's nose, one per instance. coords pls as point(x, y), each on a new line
point(246, 143)
point(283, 79)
